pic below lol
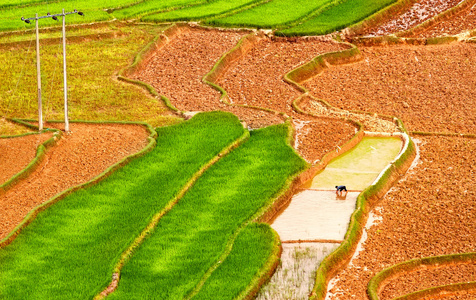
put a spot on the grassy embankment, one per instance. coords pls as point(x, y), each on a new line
point(189, 242)
point(70, 249)
point(337, 17)
point(93, 94)
point(271, 14)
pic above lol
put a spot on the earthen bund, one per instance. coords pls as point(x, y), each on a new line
point(317, 214)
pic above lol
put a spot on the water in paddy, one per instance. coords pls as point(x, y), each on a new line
point(360, 166)
point(317, 213)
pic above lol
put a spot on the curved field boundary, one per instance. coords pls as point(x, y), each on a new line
point(379, 17)
point(264, 273)
point(438, 18)
point(371, 195)
point(365, 203)
point(267, 270)
point(377, 282)
point(127, 254)
point(40, 155)
point(229, 57)
point(32, 214)
point(142, 59)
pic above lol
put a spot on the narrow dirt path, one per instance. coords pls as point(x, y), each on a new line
point(16, 153)
point(77, 158)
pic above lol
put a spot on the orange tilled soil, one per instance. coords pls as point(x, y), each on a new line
point(462, 22)
point(177, 69)
point(431, 212)
point(418, 13)
point(257, 80)
point(77, 158)
point(428, 278)
point(17, 153)
point(430, 88)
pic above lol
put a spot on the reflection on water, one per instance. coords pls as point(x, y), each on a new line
point(316, 215)
point(295, 277)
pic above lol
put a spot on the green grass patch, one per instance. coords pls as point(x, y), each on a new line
point(149, 7)
point(251, 251)
point(198, 12)
point(338, 17)
point(93, 94)
point(271, 14)
point(189, 240)
point(70, 249)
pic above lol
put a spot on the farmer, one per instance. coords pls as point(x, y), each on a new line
point(341, 188)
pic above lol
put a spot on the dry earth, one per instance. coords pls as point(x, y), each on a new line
point(427, 278)
point(17, 153)
point(431, 212)
point(431, 88)
point(419, 12)
point(77, 158)
point(463, 22)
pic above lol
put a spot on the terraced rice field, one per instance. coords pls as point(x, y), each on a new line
point(182, 220)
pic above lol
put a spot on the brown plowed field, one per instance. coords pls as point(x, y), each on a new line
point(431, 88)
point(77, 158)
point(460, 23)
point(428, 278)
point(17, 153)
point(431, 212)
point(418, 13)
point(257, 80)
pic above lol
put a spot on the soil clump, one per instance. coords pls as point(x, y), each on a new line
point(77, 158)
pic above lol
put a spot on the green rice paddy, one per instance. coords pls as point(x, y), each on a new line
point(271, 14)
point(292, 17)
point(189, 240)
point(70, 249)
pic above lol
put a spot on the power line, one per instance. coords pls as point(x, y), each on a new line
point(38, 67)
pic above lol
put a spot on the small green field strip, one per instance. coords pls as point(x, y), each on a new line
point(70, 249)
point(150, 7)
point(272, 13)
point(254, 248)
point(198, 12)
point(338, 17)
point(190, 239)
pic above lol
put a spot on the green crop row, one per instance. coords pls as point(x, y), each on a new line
point(310, 17)
point(149, 7)
point(271, 14)
point(338, 17)
point(70, 248)
point(201, 11)
point(191, 239)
